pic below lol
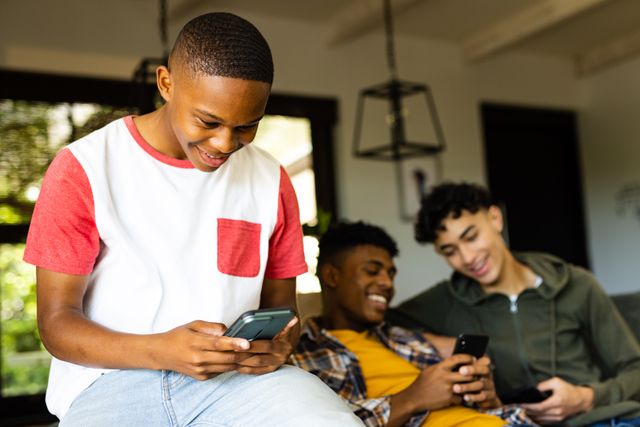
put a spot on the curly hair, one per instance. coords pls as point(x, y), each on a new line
point(225, 45)
point(448, 199)
point(346, 235)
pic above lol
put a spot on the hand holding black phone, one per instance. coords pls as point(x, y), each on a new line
point(262, 324)
point(475, 345)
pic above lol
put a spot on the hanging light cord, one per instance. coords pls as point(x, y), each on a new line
point(388, 26)
point(162, 23)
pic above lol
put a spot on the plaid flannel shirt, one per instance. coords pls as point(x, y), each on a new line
point(320, 353)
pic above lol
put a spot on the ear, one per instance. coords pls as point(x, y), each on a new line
point(495, 217)
point(328, 274)
point(164, 81)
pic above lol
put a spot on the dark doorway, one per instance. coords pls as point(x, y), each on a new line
point(534, 173)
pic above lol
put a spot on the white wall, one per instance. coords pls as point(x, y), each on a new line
point(610, 142)
point(304, 65)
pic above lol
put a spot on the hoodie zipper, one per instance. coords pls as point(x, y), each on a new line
point(513, 308)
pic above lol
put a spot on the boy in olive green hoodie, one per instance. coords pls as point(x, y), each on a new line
point(551, 325)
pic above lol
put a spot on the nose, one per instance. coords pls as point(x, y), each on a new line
point(386, 280)
point(466, 254)
point(224, 140)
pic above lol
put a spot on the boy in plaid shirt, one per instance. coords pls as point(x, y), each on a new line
point(390, 376)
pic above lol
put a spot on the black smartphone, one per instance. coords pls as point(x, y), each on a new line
point(525, 395)
point(263, 324)
point(475, 345)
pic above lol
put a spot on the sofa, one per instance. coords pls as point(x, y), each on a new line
point(310, 305)
point(629, 306)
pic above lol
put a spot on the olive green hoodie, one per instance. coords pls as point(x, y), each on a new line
point(566, 327)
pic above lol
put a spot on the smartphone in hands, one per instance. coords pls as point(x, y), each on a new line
point(475, 345)
point(525, 395)
point(263, 324)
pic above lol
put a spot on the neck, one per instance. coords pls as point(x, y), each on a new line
point(335, 321)
point(514, 278)
point(154, 128)
point(335, 318)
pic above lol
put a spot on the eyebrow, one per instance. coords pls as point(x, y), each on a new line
point(380, 264)
point(467, 231)
point(214, 117)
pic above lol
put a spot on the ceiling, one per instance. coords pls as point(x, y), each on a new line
point(593, 33)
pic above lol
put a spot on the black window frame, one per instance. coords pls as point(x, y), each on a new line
point(321, 112)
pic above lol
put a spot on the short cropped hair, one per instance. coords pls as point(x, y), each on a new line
point(347, 235)
point(448, 199)
point(225, 45)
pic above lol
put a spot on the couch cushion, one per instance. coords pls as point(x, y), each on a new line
point(309, 305)
point(629, 306)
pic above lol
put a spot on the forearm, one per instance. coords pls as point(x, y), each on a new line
point(442, 343)
point(625, 386)
point(70, 336)
point(402, 408)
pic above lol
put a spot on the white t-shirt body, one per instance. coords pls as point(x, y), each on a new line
point(162, 242)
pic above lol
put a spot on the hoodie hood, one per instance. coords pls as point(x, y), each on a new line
point(555, 275)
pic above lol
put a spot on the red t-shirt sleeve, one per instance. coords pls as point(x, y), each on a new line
point(286, 253)
point(63, 236)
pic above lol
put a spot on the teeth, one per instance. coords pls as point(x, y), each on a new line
point(377, 298)
point(209, 155)
point(478, 267)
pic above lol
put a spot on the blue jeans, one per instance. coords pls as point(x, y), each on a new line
point(617, 422)
point(286, 397)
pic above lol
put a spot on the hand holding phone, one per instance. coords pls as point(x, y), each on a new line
point(263, 324)
point(475, 345)
point(270, 347)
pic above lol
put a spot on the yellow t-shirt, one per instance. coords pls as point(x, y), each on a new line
point(385, 373)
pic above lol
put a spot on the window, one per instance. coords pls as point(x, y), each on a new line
point(40, 114)
point(288, 139)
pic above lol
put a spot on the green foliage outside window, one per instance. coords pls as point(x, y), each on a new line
point(31, 134)
point(25, 363)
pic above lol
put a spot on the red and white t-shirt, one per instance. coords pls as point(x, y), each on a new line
point(162, 242)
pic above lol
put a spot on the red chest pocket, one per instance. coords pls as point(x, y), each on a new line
point(238, 247)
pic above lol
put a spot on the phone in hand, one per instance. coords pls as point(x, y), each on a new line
point(263, 324)
point(525, 395)
point(475, 345)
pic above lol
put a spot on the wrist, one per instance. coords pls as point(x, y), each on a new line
point(587, 397)
point(151, 349)
point(407, 401)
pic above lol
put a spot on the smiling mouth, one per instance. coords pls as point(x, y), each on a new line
point(479, 269)
point(378, 298)
point(211, 160)
point(211, 156)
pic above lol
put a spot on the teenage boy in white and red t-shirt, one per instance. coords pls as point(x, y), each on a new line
point(154, 232)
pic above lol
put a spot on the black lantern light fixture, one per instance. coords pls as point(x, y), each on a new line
point(394, 91)
point(397, 95)
point(144, 77)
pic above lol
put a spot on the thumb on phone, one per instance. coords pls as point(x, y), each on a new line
point(287, 328)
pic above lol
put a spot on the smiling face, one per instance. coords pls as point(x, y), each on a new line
point(472, 245)
point(210, 117)
point(359, 287)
